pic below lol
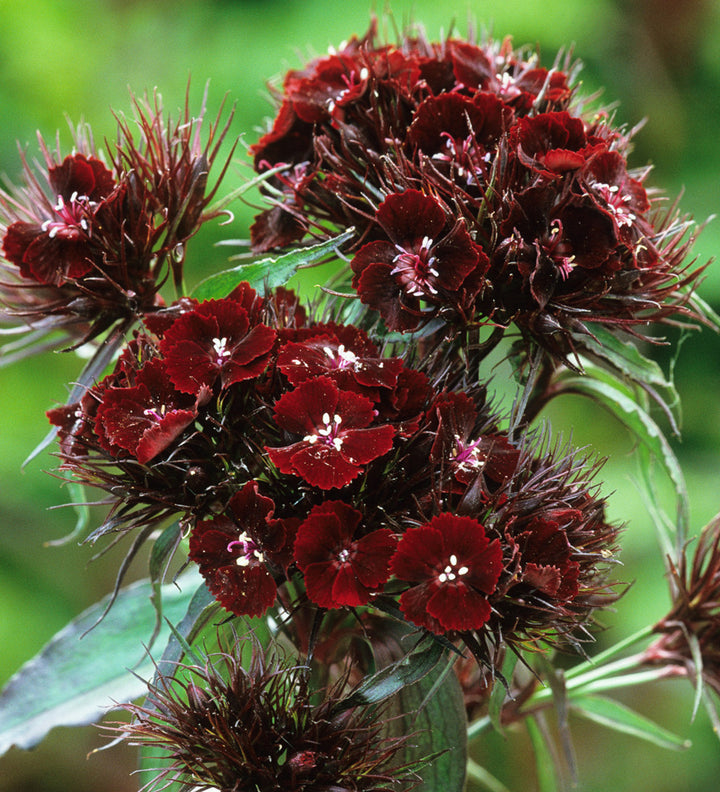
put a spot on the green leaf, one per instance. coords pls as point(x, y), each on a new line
point(610, 713)
point(73, 680)
point(268, 273)
point(200, 610)
point(627, 359)
point(545, 760)
point(394, 677)
point(499, 691)
point(643, 427)
point(433, 712)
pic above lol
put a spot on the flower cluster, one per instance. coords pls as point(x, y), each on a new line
point(480, 188)
point(230, 728)
point(301, 450)
point(87, 246)
point(688, 642)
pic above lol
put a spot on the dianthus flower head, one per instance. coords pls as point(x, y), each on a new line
point(231, 728)
point(88, 242)
point(688, 642)
point(480, 188)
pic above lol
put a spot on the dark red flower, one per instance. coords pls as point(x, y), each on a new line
point(339, 566)
point(337, 436)
point(59, 248)
point(453, 567)
point(215, 341)
point(553, 143)
point(232, 552)
point(546, 558)
point(466, 445)
point(145, 418)
point(345, 354)
point(422, 262)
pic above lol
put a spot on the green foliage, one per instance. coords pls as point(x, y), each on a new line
point(85, 667)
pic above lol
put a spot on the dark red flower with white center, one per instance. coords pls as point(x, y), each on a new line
point(215, 341)
point(343, 353)
point(58, 249)
point(337, 436)
point(453, 567)
point(461, 132)
point(339, 567)
point(517, 82)
point(422, 261)
point(232, 552)
point(468, 447)
point(608, 183)
point(145, 418)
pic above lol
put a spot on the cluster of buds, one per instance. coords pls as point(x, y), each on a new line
point(261, 727)
point(480, 188)
point(294, 449)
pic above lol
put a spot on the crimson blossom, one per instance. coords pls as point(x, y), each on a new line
point(454, 567)
point(480, 188)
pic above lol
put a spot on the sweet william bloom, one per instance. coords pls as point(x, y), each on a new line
point(145, 418)
point(424, 261)
point(88, 246)
point(453, 568)
point(337, 438)
point(233, 552)
point(345, 354)
point(690, 633)
point(339, 565)
point(59, 248)
point(215, 341)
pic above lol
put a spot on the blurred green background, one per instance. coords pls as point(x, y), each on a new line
point(657, 59)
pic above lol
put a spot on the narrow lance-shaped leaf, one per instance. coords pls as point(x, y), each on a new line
point(394, 677)
point(618, 717)
point(643, 428)
point(268, 272)
point(74, 680)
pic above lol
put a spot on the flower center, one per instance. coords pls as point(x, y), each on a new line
point(342, 359)
point(72, 223)
point(452, 571)
point(328, 433)
point(617, 202)
point(221, 350)
point(248, 550)
point(469, 456)
point(157, 413)
point(416, 269)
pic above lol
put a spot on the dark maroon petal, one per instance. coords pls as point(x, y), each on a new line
point(361, 446)
point(371, 557)
point(319, 464)
point(417, 554)
point(458, 607)
point(301, 410)
point(244, 591)
point(413, 603)
point(86, 176)
point(377, 288)
point(409, 216)
point(160, 435)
